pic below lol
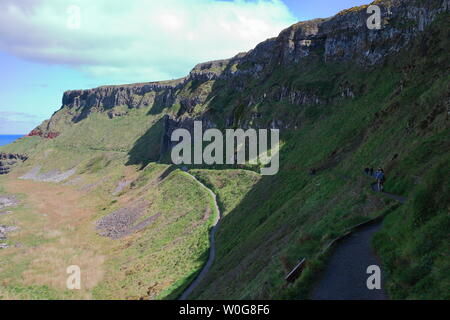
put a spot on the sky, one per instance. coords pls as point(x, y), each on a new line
point(50, 46)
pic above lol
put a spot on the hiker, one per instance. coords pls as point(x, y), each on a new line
point(379, 175)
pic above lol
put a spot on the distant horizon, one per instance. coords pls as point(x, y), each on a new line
point(6, 139)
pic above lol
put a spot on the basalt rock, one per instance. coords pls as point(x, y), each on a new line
point(342, 38)
point(9, 160)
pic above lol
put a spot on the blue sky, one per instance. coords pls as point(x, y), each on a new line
point(45, 49)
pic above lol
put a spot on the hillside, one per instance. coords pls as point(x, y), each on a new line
point(344, 97)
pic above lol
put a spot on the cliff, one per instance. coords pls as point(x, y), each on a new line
point(8, 160)
point(339, 39)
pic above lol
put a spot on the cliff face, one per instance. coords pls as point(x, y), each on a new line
point(346, 36)
point(8, 160)
point(343, 37)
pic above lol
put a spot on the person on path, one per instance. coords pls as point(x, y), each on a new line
point(379, 176)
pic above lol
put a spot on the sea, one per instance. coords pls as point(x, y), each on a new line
point(8, 138)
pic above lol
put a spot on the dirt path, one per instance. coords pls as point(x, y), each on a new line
point(345, 277)
point(389, 195)
point(212, 248)
point(346, 274)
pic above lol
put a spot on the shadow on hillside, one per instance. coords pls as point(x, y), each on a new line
point(249, 204)
point(147, 148)
point(167, 172)
point(158, 105)
point(258, 230)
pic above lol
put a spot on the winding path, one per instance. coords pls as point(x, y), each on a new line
point(345, 276)
point(212, 248)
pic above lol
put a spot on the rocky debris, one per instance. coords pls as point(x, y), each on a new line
point(73, 182)
point(55, 176)
point(8, 201)
point(122, 185)
point(4, 230)
point(91, 186)
point(8, 160)
point(124, 221)
point(4, 213)
point(30, 175)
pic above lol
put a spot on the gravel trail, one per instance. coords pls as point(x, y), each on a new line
point(212, 248)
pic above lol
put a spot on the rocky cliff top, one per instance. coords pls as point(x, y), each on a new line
point(343, 37)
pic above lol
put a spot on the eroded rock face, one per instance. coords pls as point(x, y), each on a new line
point(54, 176)
point(9, 160)
point(343, 37)
point(132, 96)
point(347, 35)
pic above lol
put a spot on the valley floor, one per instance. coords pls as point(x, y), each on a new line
point(53, 233)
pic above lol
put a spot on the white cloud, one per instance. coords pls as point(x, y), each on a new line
point(138, 40)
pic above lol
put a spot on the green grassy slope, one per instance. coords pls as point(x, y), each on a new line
point(398, 121)
point(56, 231)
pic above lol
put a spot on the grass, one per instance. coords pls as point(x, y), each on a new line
point(230, 186)
point(293, 215)
point(57, 230)
point(413, 243)
point(397, 119)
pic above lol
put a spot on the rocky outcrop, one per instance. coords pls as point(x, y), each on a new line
point(6, 202)
point(45, 135)
point(208, 71)
point(132, 96)
point(9, 160)
point(346, 36)
point(125, 221)
point(343, 37)
point(54, 176)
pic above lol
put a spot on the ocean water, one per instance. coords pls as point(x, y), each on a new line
point(7, 139)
